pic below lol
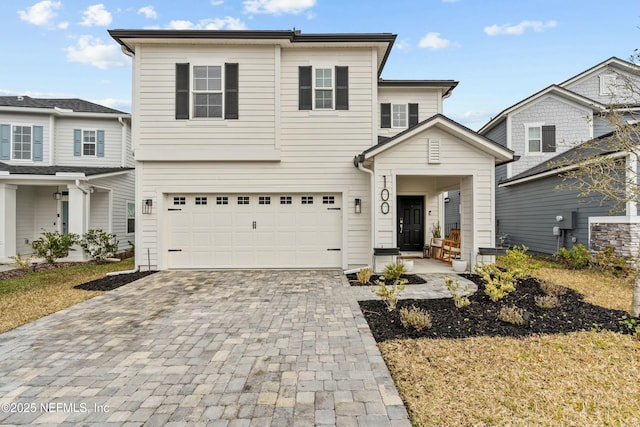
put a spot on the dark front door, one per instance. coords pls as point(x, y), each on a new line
point(410, 223)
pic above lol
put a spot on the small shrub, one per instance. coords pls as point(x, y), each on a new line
point(498, 283)
point(630, 325)
point(415, 317)
point(576, 258)
point(53, 245)
point(608, 262)
point(22, 263)
point(460, 296)
point(512, 314)
point(364, 275)
point(552, 289)
point(98, 244)
point(547, 301)
point(518, 262)
point(389, 294)
point(394, 270)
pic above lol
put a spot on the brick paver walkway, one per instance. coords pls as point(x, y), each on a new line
point(237, 348)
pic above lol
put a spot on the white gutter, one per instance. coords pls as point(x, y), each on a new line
point(373, 205)
point(117, 273)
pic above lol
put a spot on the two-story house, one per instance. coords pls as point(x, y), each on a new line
point(65, 165)
point(544, 130)
point(265, 149)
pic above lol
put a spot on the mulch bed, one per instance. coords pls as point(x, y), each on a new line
point(412, 279)
point(109, 283)
point(480, 318)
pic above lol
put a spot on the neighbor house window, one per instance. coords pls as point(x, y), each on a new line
point(540, 139)
point(88, 142)
point(131, 217)
point(22, 142)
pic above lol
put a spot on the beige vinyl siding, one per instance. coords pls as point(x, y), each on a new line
point(428, 100)
point(198, 139)
point(462, 166)
point(112, 142)
point(17, 119)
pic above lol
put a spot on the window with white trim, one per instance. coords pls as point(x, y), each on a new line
point(243, 200)
point(89, 142)
point(540, 138)
point(21, 145)
point(534, 139)
point(399, 115)
point(131, 217)
point(323, 88)
point(207, 91)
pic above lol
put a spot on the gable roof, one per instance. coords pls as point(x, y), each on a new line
point(549, 90)
point(75, 105)
point(129, 38)
point(613, 61)
point(600, 146)
point(502, 154)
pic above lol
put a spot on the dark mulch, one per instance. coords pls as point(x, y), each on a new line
point(109, 283)
point(412, 279)
point(480, 318)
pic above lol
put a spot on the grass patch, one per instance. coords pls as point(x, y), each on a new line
point(573, 379)
point(38, 294)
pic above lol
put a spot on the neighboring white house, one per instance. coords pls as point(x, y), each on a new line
point(65, 165)
point(260, 149)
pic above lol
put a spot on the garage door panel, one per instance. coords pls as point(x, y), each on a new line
point(260, 232)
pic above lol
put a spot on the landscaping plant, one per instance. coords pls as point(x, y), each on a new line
point(22, 263)
point(98, 244)
point(577, 258)
point(53, 245)
point(547, 301)
point(607, 261)
point(415, 317)
point(389, 294)
point(460, 296)
point(512, 314)
point(394, 270)
point(364, 275)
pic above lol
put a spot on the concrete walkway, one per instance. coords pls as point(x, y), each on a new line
point(241, 348)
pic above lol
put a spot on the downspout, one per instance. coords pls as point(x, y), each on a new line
point(357, 161)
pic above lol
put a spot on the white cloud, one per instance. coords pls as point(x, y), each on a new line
point(96, 15)
point(277, 7)
point(216, 2)
point(148, 11)
point(434, 41)
point(226, 23)
point(516, 30)
point(118, 104)
point(63, 25)
point(41, 13)
point(402, 45)
point(91, 50)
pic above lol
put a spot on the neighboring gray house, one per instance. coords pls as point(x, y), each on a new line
point(65, 165)
point(539, 129)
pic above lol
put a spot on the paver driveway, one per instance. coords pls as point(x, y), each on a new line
point(237, 348)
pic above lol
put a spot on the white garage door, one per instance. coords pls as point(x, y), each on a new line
point(254, 230)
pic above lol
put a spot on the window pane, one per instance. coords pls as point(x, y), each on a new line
point(534, 133)
point(535, 139)
point(399, 115)
point(22, 142)
point(208, 105)
point(207, 78)
point(131, 210)
point(89, 150)
point(131, 225)
point(323, 78)
point(324, 98)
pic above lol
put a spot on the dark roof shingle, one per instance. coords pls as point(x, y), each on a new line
point(75, 104)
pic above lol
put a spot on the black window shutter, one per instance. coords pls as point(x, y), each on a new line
point(413, 114)
point(305, 95)
point(548, 139)
point(385, 115)
point(230, 91)
point(342, 88)
point(182, 91)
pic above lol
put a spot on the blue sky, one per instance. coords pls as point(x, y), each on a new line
point(501, 51)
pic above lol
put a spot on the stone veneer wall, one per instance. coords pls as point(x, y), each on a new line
point(623, 237)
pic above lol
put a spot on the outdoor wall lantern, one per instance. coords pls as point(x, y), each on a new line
point(146, 206)
point(358, 206)
point(57, 195)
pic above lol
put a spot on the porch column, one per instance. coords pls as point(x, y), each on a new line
point(78, 217)
point(632, 183)
point(7, 221)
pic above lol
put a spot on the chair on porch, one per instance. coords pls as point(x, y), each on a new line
point(451, 246)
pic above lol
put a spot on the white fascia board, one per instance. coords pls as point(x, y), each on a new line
point(109, 174)
point(70, 175)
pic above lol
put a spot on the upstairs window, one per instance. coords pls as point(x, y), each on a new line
point(206, 91)
point(21, 143)
point(89, 143)
point(323, 88)
point(398, 115)
point(541, 139)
